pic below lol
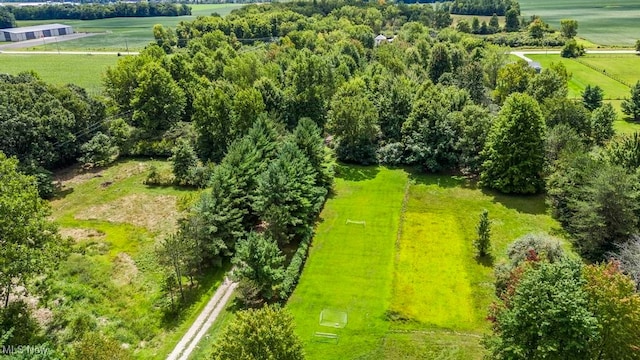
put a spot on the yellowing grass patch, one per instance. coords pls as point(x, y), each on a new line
point(432, 285)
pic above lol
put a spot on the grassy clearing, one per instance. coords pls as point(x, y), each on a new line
point(112, 275)
point(606, 23)
point(350, 267)
point(415, 294)
point(87, 69)
point(122, 34)
point(625, 67)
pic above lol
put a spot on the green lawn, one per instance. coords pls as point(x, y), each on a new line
point(350, 267)
point(112, 274)
point(417, 293)
point(83, 70)
point(120, 34)
point(602, 22)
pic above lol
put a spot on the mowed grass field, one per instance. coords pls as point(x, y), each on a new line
point(112, 274)
point(409, 281)
point(122, 34)
point(83, 70)
point(350, 266)
point(623, 67)
point(602, 22)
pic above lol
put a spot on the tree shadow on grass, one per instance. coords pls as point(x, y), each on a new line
point(443, 179)
point(527, 204)
point(486, 261)
point(356, 172)
point(175, 316)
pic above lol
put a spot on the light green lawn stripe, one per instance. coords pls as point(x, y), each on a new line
point(433, 285)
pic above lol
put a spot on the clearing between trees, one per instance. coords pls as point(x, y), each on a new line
point(412, 288)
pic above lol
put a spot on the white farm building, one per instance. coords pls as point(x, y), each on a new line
point(34, 32)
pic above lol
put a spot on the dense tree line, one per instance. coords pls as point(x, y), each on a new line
point(46, 126)
point(554, 307)
point(484, 7)
point(94, 11)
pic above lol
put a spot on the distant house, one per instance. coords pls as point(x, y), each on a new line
point(535, 66)
point(380, 39)
point(35, 32)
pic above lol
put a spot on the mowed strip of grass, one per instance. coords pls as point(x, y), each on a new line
point(439, 282)
point(350, 266)
point(603, 22)
point(83, 70)
point(582, 75)
point(622, 66)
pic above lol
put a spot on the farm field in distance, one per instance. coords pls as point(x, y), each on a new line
point(414, 293)
point(83, 70)
point(122, 34)
point(601, 22)
point(625, 67)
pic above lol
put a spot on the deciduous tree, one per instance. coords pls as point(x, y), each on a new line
point(515, 148)
point(569, 28)
point(29, 243)
point(254, 334)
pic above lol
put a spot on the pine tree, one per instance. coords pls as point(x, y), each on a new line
point(631, 106)
point(259, 260)
point(483, 242)
point(592, 97)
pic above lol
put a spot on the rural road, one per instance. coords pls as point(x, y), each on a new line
point(522, 54)
point(207, 317)
point(70, 52)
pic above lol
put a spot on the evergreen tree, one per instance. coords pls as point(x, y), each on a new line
point(259, 261)
point(287, 197)
point(307, 137)
point(475, 25)
point(592, 97)
point(494, 24)
point(511, 20)
point(515, 148)
point(482, 243)
point(631, 106)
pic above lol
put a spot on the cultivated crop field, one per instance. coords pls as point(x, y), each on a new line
point(602, 22)
point(83, 70)
point(408, 280)
point(122, 34)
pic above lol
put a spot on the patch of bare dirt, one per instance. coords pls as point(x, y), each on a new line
point(79, 234)
point(124, 269)
point(155, 213)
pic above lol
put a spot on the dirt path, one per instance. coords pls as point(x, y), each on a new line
point(207, 317)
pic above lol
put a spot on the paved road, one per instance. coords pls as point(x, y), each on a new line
point(522, 54)
point(70, 52)
point(207, 317)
